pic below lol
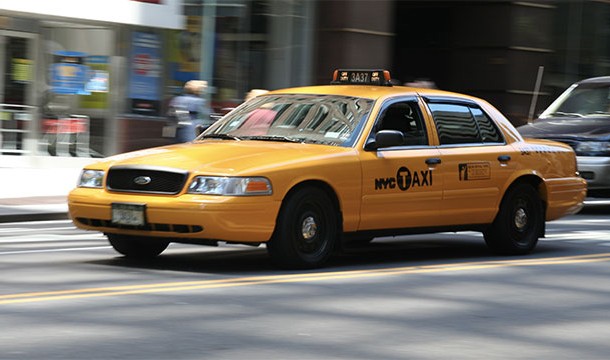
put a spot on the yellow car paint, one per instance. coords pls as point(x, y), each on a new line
point(382, 190)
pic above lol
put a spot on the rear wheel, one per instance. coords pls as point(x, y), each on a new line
point(306, 231)
point(137, 247)
point(519, 222)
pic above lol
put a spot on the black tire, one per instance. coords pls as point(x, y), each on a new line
point(137, 247)
point(519, 222)
point(306, 231)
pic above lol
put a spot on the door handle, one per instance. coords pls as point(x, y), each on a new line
point(504, 158)
point(433, 161)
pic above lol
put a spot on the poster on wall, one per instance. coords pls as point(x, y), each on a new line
point(98, 79)
point(69, 73)
point(185, 51)
point(21, 70)
point(145, 74)
point(98, 83)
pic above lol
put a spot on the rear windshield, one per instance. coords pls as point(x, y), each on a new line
point(581, 101)
point(318, 119)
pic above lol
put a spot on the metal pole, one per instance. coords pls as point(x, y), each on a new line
point(208, 32)
point(536, 92)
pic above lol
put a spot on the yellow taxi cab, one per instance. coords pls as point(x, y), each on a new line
point(306, 170)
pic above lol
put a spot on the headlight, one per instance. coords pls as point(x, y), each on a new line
point(593, 147)
point(91, 179)
point(234, 186)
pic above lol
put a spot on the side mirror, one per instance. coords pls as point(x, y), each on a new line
point(386, 138)
point(199, 129)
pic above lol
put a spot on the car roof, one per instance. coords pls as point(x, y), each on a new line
point(386, 92)
point(370, 92)
point(596, 80)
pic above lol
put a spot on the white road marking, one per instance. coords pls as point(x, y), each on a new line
point(51, 238)
point(20, 223)
point(16, 230)
point(54, 250)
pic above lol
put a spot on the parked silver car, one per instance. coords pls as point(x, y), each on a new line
point(580, 117)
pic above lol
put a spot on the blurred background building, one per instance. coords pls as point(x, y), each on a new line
point(82, 79)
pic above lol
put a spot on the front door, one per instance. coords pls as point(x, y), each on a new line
point(400, 184)
point(17, 78)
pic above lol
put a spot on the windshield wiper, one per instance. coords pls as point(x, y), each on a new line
point(220, 136)
point(273, 138)
point(599, 113)
point(561, 113)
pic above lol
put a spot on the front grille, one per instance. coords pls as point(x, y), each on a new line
point(176, 228)
point(146, 179)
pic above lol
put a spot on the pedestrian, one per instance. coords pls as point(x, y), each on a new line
point(189, 110)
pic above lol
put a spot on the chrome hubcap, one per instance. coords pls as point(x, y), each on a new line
point(309, 228)
point(520, 219)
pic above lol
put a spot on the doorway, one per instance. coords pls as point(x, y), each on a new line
point(17, 75)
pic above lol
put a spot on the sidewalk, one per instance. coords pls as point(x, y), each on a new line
point(35, 194)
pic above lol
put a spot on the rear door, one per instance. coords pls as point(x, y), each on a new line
point(476, 161)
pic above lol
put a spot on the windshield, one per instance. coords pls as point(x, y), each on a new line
point(580, 101)
point(316, 119)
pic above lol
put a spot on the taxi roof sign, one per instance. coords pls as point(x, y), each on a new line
point(377, 77)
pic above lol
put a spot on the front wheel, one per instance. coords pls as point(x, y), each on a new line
point(137, 247)
point(306, 231)
point(519, 222)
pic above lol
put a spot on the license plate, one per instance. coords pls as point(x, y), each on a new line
point(128, 214)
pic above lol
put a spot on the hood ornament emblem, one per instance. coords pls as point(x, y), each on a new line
point(142, 180)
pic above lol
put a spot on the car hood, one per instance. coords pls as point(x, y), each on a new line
point(576, 128)
point(226, 157)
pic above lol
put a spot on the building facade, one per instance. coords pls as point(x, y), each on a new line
point(518, 55)
point(70, 68)
point(92, 79)
point(86, 79)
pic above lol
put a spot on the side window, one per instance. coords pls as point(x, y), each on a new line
point(464, 124)
point(455, 124)
point(489, 131)
point(405, 117)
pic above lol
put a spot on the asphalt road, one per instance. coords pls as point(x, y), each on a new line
point(65, 294)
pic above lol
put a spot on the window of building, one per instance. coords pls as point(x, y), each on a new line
point(251, 44)
point(76, 108)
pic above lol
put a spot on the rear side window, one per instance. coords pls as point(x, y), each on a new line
point(463, 124)
point(489, 131)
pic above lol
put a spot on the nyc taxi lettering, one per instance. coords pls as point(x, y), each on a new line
point(474, 171)
point(405, 179)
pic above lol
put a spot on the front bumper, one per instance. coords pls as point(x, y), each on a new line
point(596, 170)
point(188, 217)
